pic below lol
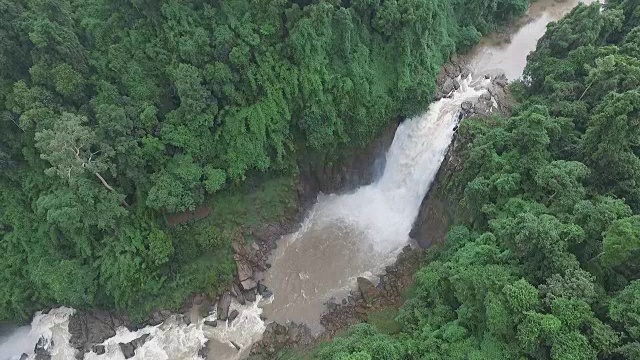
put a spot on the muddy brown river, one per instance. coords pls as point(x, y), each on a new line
point(495, 53)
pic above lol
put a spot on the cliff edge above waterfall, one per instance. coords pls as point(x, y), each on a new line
point(439, 206)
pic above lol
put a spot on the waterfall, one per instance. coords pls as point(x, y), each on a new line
point(358, 234)
point(343, 237)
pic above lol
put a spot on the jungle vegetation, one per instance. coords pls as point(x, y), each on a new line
point(117, 113)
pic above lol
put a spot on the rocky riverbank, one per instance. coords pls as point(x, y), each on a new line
point(437, 210)
point(366, 298)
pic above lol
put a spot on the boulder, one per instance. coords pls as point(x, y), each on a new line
point(451, 69)
point(261, 288)
point(41, 350)
point(24, 356)
point(264, 291)
point(244, 270)
point(268, 233)
point(279, 329)
point(240, 298)
point(203, 352)
point(233, 315)
point(467, 106)
point(483, 108)
point(197, 299)
point(501, 80)
point(212, 323)
point(128, 350)
point(238, 248)
point(249, 295)
point(465, 71)
point(369, 291)
point(98, 349)
point(449, 86)
point(223, 306)
point(88, 329)
point(248, 284)
point(235, 291)
point(139, 341)
point(158, 316)
point(294, 333)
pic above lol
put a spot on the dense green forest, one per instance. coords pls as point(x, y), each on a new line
point(115, 113)
point(544, 262)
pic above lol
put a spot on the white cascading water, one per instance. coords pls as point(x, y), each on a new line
point(386, 209)
point(171, 340)
point(52, 326)
point(381, 213)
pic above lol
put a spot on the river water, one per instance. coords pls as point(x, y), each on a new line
point(494, 55)
point(343, 236)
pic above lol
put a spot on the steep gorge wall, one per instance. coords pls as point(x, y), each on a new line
point(352, 168)
point(438, 210)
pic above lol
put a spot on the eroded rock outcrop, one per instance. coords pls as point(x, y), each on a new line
point(223, 306)
point(354, 167)
point(41, 350)
point(129, 349)
point(437, 210)
point(278, 337)
point(368, 290)
point(89, 329)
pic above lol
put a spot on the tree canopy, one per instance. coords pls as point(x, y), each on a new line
point(115, 113)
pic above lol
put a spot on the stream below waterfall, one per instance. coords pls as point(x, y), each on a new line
point(344, 236)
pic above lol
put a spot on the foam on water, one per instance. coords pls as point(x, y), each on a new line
point(16, 343)
point(52, 327)
point(171, 340)
point(175, 340)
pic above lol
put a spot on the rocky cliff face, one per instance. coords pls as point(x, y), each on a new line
point(353, 168)
point(437, 212)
